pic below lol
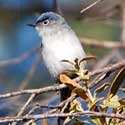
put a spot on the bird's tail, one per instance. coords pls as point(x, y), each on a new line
point(65, 93)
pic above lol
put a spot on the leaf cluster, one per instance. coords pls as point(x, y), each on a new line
point(110, 102)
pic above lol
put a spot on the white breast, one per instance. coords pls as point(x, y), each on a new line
point(61, 46)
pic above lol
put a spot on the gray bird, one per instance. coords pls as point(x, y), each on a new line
point(59, 42)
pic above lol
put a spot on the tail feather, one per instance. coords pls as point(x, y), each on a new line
point(65, 93)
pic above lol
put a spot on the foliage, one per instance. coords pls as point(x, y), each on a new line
point(110, 102)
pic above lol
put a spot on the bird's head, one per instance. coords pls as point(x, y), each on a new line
point(48, 23)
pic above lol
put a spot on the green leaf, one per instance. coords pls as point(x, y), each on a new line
point(102, 87)
point(33, 123)
point(67, 61)
point(76, 64)
point(113, 102)
point(95, 102)
point(76, 106)
point(70, 71)
point(96, 120)
point(99, 78)
point(117, 82)
point(84, 74)
point(87, 58)
point(81, 122)
point(68, 119)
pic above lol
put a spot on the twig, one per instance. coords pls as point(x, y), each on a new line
point(114, 54)
point(27, 79)
point(68, 101)
point(19, 58)
point(32, 110)
point(48, 106)
point(24, 107)
point(54, 110)
point(86, 41)
point(57, 6)
point(56, 87)
point(76, 114)
point(101, 43)
point(31, 72)
point(111, 68)
point(98, 79)
point(41, 104)
point(35, 91)
point(26, 104)
point(91, 5)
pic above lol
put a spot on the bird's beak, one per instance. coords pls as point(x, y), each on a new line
point(32, 25)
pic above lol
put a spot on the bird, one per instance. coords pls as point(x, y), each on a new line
point(59, 42)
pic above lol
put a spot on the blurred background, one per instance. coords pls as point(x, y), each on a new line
point(21, 66)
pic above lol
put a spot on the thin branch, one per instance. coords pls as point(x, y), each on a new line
point(45, 104)
point(68, 101)
point(48, 106)
point(110, 68)
point(24, 106)
point(114, 54)
point(18, 59)
point(76, 114)
point(26, 80)
point(61, 104)
point(57, 87)
point(57, 7)
point(90, 6)
point(101, 43)
point(31, 72)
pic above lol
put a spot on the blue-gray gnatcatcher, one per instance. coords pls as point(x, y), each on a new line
point(59, 42)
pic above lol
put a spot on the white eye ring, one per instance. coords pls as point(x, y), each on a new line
point(45, 22)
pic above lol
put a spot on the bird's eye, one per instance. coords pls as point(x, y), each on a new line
point(45, 22)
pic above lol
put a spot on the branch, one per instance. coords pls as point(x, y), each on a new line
point(77, 114)
point(24, 106)
point(114, 54)
point(68, 101)
point(57, 87)
point(91, 5)
point(102, 43)
point(19, 58)
point(35, 91)
point(110, 68)
point(31, 73)
point(59, 106)
point(25, 81)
